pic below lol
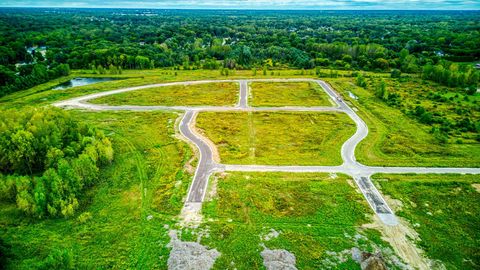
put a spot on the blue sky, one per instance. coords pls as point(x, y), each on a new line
point(254, 4)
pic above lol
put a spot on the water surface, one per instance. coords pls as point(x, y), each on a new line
point(81, 82)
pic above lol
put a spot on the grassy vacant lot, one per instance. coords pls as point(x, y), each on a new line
point(112, 230)
point(288, 94)
point(445, 209)
point(315, 214)
point(395, 139)
point(280, 138)
point(213, 94)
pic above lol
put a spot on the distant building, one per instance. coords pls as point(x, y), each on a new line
point(17, 65)
point(477, 66)
point(41, 49)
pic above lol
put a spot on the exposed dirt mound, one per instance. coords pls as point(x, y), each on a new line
point(278, 259)
point(191, 215)
point(190, 255)
point(369, 261)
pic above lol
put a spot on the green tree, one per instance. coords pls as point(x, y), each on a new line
point(6, 76)
point(101, 70)
point(22, 153)
point(86, 169)
point(24, 199)
point(396, 73)
point(360, 81)
point(112, 69)
point(381, 91)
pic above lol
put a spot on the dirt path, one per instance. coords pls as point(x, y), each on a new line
point(401, 237)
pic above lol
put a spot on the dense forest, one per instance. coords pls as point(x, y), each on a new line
point(117, 39)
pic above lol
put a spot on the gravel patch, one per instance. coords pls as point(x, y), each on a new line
point(189, 255)
point(278, 259)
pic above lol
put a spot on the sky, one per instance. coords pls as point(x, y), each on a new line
point(253, 4)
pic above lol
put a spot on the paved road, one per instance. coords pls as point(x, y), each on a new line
point(243, 100)
point(99, 107)
point(207, 166)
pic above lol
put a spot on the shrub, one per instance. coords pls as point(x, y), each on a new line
point(396, 73)
point(58, 259)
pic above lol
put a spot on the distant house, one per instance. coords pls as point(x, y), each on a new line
point(42, 50)
point(17, 65)
point(142, 43)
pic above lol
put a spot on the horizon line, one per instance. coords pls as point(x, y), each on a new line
point(249, 9)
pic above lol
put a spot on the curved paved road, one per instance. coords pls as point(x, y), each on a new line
point(207, 166)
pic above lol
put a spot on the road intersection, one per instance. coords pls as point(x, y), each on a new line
point(207, 165)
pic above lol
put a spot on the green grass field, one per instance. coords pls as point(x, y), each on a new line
point(212, 94)
point(394, 139)
point(280, 138)
point(445, 210)
point(315, 215)
point(276, 94)
point(145, 178)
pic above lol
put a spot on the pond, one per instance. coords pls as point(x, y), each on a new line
point(80, 82)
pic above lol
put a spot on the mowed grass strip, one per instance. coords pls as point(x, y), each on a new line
point(444, 209)
point(277, 94)
point(280, 138)
point(314, 214)
point(394, 139)
point(210, 94)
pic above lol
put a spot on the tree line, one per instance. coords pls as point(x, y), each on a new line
point(126, 39)
point(47, 159)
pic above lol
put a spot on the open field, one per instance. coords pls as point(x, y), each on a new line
point(444, 211)
point(395, 139)
point(209, 94)
point(314, 214)
point(112, 231)
point(279, 94)
point(281, 138)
